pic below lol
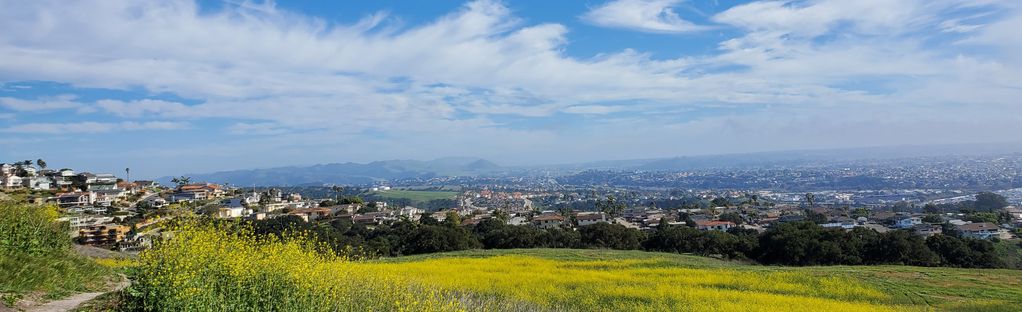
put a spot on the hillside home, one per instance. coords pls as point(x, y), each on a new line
point(983, 230)
point(927, 230)
point(548, 221)
point(715, 225)
point(38, 183)
point(232, 212)
point(75, 199)
point(908, 222)
point(187, 196)
point(155, 201)
point(590, 218)
point(411, 213)
point(11, 182)
point(102, 234)
point(312, 214)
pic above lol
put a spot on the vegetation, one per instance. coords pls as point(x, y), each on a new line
point(229, 267)
point(797, 243)
point(36, 257)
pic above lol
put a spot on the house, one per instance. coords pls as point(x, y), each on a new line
point(102, 234)
point(714, 225)
point(62, 179)
point(38, 183)
point(927, 230)
point(94, 182)
point(548, 220)
point(155, 201)
point(76, 222)
point(349, 209)
point(372, 218)
point(12, 182)
point(6, 169)
point(907, 222)
point(311, 214)
point(232, 212)
point(590, 218)
point(440, 216)
point(187, 196)
point(983, 230)
point(146, 183)
point(411, 212)
point(107, 197)
point(74, 199)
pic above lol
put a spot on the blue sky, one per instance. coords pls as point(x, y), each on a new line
point(179, 86)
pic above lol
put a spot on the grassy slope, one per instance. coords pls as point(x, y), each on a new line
point(416, 196)
point(944, 288)
point(36, 258)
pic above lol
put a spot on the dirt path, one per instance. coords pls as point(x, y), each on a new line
point(70, 303)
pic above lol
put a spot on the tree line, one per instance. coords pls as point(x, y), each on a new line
point(795, 243)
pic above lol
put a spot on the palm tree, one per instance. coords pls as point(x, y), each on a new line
point(41, 163)
point(810, 199)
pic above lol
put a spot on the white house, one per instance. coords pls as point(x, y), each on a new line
point(590, 218)
point(11, 182)
point(411, 212)
point(548, 221)
point(38, 183)
point(983, 230)
point(908, 223)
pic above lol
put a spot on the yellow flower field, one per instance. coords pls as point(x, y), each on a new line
point(205, 268)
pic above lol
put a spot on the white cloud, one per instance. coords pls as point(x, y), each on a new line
point(59, 102)
point(92, 127)
point(265, 71)
point(643, 15)
point(140, 108)
point(257, 129)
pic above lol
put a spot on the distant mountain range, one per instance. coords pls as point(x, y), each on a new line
point(348, 173)
point(377, 171)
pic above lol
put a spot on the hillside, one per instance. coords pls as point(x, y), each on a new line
point(567, 278)
point(292, 275)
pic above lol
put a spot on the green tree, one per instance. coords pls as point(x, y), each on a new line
point(611, 206)
point(41, 163)
point(181, 181)
point(720, 202)
point(453, 219)
point(731, 216)
point(990, 202)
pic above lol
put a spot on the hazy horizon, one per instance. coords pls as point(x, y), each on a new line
point(182, 86)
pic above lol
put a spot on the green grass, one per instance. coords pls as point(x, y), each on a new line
point(36, 258)
point(942, 288)
point(416, 196)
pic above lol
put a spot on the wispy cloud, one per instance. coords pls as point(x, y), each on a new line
point(92, 127)
point(656, 16)
point(59, 102)
point(482, 74)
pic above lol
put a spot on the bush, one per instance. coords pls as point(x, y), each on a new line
point(230, 268)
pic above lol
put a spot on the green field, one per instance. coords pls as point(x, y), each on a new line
point(902, 287)
point(415, 196)
point(208, 268)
